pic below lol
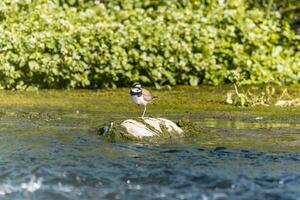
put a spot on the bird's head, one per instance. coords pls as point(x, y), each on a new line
point(136, 88)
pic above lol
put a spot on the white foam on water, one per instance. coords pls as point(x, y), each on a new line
point(31, 186)
point(67, 189)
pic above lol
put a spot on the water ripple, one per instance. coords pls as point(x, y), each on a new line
point(71, 163)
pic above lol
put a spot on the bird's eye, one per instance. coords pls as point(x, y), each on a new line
point(136, 90)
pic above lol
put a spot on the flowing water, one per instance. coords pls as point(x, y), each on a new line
point(44, 157)
point(58, 155)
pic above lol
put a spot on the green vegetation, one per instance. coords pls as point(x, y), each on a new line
point(96, 44)
point(258, 96)
point(250, 98)
point(176, 104)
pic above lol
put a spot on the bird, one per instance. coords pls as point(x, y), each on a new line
point(141, 96)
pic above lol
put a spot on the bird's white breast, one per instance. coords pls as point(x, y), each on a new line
point(139, 100)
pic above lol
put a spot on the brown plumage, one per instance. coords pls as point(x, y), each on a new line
point(147, 95)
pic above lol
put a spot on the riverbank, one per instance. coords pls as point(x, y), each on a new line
point(219, 124)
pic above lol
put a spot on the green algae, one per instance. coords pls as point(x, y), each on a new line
point(201, 111)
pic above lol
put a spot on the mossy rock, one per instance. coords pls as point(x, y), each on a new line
point(142, 129)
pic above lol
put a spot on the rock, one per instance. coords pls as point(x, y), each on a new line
point(149, 127)
point(283, 103)
point(293, 102)
point(137, 129)
point(141, 128)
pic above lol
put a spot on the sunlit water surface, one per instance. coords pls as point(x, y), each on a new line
point(46, 158)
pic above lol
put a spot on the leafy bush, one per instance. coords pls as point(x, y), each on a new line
point(96, 44)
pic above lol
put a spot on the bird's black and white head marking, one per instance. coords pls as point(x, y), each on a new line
point(136, 89)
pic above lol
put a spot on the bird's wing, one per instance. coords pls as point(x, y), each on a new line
point(147, 95)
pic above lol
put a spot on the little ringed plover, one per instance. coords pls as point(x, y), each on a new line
point(141, 96)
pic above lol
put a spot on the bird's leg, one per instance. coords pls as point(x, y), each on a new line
point(144, 111)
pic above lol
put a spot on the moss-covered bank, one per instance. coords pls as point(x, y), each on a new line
point(215, 123)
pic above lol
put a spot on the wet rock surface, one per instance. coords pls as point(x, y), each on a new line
point(149, 127)
point(141, 128)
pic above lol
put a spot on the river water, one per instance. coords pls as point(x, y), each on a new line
point(52, 156)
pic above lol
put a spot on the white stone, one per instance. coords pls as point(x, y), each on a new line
point(155, 123)
point(283, 103)
point(139, 129)
point(171, 126)
point(293, 102)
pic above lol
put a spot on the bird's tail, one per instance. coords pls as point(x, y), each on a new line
point(154, 97)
